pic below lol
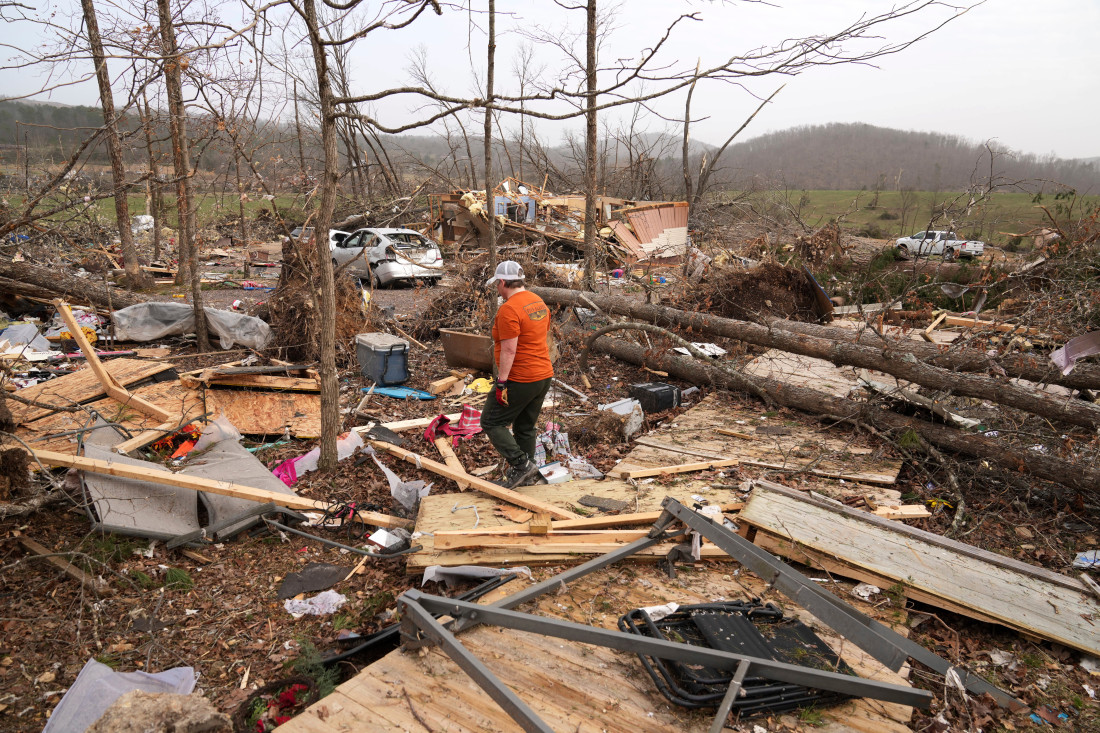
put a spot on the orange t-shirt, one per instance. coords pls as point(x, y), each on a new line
point(526, 316)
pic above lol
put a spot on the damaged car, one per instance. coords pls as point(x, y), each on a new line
point(389, 256)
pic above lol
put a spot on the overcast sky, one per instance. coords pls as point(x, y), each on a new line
point(1020, 72)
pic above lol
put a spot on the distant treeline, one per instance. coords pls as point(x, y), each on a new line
point(833, 156)
point(853, 156)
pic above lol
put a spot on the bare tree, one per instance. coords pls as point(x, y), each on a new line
point(134, 275)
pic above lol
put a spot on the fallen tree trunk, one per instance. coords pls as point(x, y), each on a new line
point(1049, 468)
point(32, 281)
point(1031, 367)
point(889, 357)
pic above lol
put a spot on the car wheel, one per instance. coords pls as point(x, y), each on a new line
point(433, 281)
point(374, 281)
point(903, 251)
point(950, 255)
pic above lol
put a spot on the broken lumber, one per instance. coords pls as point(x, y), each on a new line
point(225, 488)
point(440, 386)
point(993, 325)
point(1050, 468)
point(111, 386)
point(485, 487)
point(443, 445)
point(933, 569)
point(902, 511)
point(89, 582)
point(562, 540)
point(953, 359)
point(681, 468)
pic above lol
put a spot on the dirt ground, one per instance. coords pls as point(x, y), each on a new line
point(221, 615)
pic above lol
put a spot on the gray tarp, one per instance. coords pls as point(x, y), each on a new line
point(151, 321)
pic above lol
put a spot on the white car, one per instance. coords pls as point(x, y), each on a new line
point(388, 256)
point(939, 242)
point(335, 236)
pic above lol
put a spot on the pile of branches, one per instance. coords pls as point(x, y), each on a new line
point(768, 290)
point(295, 310)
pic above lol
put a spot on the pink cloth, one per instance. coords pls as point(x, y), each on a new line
point(468, 425)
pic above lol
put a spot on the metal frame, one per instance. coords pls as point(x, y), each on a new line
point(878, 640)
point(419, 627)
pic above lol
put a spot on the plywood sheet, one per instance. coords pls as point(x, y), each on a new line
point(572, 686)
point(269, 413)
point(1020, 596)
point(82, 386)
point(830, 452)
point(182, 403)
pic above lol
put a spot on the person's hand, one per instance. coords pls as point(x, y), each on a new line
point(500, 392)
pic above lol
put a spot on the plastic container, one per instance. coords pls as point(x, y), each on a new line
point(656, 396)
point(384, 359)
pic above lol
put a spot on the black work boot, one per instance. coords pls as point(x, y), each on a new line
point(521, 475)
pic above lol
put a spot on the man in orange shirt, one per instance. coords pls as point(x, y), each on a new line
point(524, 372)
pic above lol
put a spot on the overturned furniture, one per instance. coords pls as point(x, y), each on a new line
point(566, 687)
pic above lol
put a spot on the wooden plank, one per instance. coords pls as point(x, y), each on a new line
point(1027, 598)
point(902, 511)
point(64, 565)
point(1003, 327)
point(264, 381)
point(562, 540)
point(440, 386)
point(110, 384)
point(651, 443)
point(269, 413)
point(224, 488)
point(486, 487)
point(81, 387)
point(735, 434)
point(682, 468)
point(443, 445)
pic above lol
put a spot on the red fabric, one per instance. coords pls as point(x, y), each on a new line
point(468, 425)
point(526, 317)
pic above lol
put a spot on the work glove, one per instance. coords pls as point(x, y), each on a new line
point(500, 392)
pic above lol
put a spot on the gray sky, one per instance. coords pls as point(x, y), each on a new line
point(1020, 72)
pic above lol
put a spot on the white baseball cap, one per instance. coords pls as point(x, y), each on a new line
point(507, 270)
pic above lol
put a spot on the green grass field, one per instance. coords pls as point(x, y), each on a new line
point(899, 213)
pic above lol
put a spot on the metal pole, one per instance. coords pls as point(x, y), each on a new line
point(881, 642)
point(471, 665)
point(727, 700)
point(793, 673)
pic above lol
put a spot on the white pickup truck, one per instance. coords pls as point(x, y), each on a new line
point(939, 243)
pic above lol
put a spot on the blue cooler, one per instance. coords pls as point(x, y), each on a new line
point(383, 358)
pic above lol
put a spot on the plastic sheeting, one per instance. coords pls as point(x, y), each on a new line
point(151, 321)
point(98, 686)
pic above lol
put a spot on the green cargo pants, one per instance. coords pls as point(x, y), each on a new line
point(521, 412)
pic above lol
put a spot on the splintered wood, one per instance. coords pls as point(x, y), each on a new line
point(712, 431)
point(81, 387)
point(574, 686)
point(932, 569)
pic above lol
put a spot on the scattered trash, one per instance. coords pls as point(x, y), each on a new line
point(708, 349)
point(289, 470)
point(408, 493)
point(656, 396)
point(864, 591)
point(468, 425)
point(632, 410)
point(481, 386)
point(313, 577)
point(451, 576)
point(659, 612)
point(1001, 658)
point(322, 604)
point(401, 393)
point(98, 686)
point(555, 473)
point(141, 223)
point(1065, 358)
point(1087, 559)
point(152, 321)
point(1091, 664)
